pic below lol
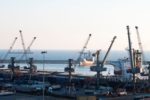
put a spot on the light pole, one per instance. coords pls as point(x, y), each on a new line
point(43, 53)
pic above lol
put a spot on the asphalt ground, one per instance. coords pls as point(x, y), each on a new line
point(21, 96)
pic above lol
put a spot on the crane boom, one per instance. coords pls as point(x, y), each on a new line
point(84, 47)
point(140, 43)
point(22, 40)
point(9, 50)
point(108, 50)
point(23, 44)
point(28, 49)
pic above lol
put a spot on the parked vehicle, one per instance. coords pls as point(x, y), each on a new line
point(53, 88)
point(121, 92)
point(31, 87)
point(6, 92)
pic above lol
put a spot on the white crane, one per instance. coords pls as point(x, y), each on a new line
point(144, 69)
point(83, 49)
point(140, 43)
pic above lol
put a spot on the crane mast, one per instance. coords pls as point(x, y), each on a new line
point(131, 57)
point(84, 47)
point(139, 42)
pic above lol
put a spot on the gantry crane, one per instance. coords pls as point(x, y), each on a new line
point(83, 49)
point(9, 50)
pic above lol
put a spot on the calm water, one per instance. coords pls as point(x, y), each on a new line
point(60, 68)
point(65, 55)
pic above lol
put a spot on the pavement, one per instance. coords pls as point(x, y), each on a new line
point(21, 96)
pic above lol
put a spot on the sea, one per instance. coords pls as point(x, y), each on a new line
point(65, 55)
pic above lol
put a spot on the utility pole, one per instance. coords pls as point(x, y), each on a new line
point(43, 53)
point(69, 69)
point(98, 71)
point(31, 69)
point(12, 67)
point(70, 64)
point(149, 74)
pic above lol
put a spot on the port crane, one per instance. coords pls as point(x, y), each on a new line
point(9, 50)
point(100, 65)
point(26, 51)
point(83, 49)
point(140, 43)
point(23, 44)
point(141, 49)
point(28, 48)
point(108, 50)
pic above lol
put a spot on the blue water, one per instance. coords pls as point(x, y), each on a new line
point(65, 55)
point(60, 68)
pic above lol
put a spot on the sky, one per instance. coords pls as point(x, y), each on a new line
point(66, 24)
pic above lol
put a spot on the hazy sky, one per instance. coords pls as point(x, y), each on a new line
point(65, 24)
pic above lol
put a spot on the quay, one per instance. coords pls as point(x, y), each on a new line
point(62, 78)
point(78, 82)
point(90, 84)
